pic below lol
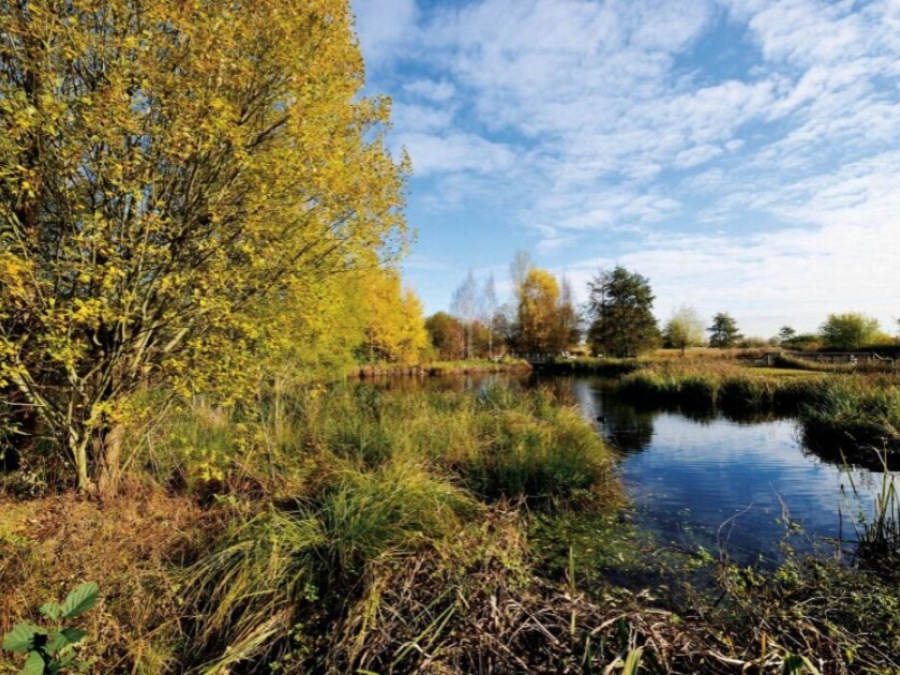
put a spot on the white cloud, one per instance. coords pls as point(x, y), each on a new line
point(455, 152)
point(432, 90)
point(383, 26)
point(760, 177)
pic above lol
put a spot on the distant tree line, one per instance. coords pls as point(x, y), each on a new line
point(617, 320)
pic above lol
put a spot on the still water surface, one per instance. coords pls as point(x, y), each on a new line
point(724, 485)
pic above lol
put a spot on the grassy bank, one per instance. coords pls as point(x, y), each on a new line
point(262, 536)
point(352, 529)
point(849, 415)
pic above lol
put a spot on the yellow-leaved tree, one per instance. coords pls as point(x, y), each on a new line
point(393, 328)
point(166, 168)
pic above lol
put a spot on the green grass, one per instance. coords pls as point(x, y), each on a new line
point(364, 529)
point(850, 413)
point(361, 476)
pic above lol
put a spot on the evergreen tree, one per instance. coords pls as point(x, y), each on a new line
point(724, 331)
point(621, 303)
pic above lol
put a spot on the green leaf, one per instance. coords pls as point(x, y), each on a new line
point(80, 600)
point(74, 635)
point(633, 661)
point(34, 665)
point(57, 641)
point(22, 638)
point(51, 610)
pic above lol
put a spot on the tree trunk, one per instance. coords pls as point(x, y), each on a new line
point(78, 446)
point(108, 460)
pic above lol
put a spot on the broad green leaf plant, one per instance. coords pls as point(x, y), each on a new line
point(51, 650)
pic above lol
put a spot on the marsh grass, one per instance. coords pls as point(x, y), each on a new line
point(365, 478)
point(839, 413)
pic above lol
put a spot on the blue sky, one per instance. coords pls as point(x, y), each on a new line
point(744, 155)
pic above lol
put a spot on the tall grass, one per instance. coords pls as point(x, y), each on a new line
point(878, 537)
point(364, 477)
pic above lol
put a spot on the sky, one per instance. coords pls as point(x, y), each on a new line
point(743, 155)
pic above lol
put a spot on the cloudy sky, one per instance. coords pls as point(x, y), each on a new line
point(744, 155)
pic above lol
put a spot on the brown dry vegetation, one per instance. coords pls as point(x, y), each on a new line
point(132, 547)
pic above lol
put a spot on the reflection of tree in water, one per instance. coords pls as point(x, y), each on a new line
point(625, 427)
point(843, 450)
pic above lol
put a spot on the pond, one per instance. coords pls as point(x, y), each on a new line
point(728, 486)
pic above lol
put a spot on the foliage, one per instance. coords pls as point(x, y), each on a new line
point(546, 320)
point(786, 333)
point(50, 651)
point(163, 168)
point(390, 316)
point(723, 331)
point(447, 335)
point(684, 329)
point(848, 331)
point(803, 341)
point(621, 303)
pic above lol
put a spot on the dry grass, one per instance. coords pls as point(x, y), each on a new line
point(131, 548)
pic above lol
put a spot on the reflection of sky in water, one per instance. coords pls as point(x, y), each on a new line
point(722, 483)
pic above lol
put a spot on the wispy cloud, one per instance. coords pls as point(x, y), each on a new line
point(741, 150)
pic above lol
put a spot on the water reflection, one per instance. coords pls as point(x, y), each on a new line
point(724, 484)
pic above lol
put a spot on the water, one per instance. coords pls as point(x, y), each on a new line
point(729, 487)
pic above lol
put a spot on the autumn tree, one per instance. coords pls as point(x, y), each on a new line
point(538, 324)
point(621, 304)
point(723, 331)
point(851, 330)
point(488, 309)
point(164, 168)
point(447, 335)
point(683, 329)
point(393, 328)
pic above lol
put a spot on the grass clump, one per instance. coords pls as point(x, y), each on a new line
point(278, 579)
point(546, 455)
point(853, 415)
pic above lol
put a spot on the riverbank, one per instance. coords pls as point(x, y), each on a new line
point(439, 368)
point(357, 529)
point(845, 415)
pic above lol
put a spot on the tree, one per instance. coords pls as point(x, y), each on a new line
point(623, 323)
point(848, 331)
point(538, 317)
point(684, 329)
point(447, 335)
point(164, 169)
point(465, 307)
point(393, 327)
point(519, 268)
point(786, 334)
point(569, 322)
point(723, 332)
point(488, 306)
